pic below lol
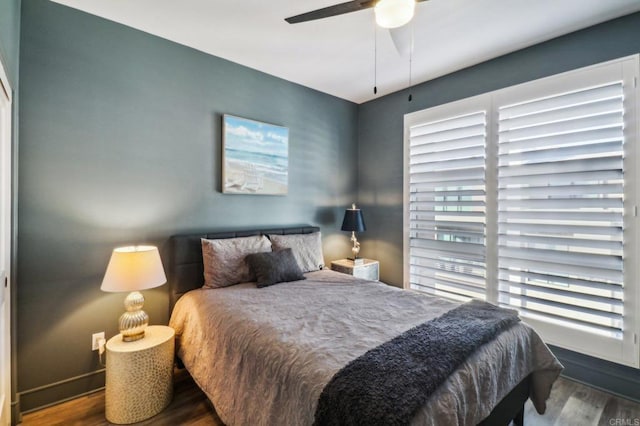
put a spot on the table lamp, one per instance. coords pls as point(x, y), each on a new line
point(354, 222)
point(132, 269)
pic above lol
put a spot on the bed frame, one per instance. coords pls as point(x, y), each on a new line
point(186, 272)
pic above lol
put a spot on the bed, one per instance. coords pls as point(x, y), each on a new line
point(263, 356)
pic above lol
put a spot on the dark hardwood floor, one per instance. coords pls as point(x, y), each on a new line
point(189, 407)
point(570, 404)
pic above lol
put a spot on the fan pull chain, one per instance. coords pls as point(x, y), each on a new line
point(375, 58)
point(411, 63)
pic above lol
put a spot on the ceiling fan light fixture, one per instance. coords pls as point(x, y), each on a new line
point(394, 13)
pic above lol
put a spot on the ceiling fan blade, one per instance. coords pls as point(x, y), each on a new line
point(401, 37)
point(338, 9)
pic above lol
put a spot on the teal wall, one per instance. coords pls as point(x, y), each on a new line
point(381, 132)
point(120, 142)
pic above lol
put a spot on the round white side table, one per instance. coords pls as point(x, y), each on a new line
point(139, 380)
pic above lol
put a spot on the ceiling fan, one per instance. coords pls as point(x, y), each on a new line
point(389, 13)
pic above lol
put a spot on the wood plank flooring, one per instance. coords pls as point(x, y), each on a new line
point(570, 404)
point(574, 404)
point(189, 407)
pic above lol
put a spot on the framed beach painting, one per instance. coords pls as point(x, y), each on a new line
point(255, 157)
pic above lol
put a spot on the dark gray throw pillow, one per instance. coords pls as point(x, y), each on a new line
point(274, 267)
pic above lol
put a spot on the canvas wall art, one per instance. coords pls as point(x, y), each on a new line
point(255, 158)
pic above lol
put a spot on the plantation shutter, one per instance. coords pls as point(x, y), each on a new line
point(447, 206)
point(560, 208)
point(528, 197)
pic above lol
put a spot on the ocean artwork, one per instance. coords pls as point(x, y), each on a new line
point(255, 157)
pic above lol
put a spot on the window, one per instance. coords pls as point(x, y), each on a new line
point(447, 206)
point(527, 197)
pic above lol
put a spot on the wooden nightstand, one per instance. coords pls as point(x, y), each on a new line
point(369, 269)
point(139, 382)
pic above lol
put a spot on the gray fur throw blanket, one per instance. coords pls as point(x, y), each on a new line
point(388, 384)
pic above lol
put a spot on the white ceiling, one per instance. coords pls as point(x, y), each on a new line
point(336, 55)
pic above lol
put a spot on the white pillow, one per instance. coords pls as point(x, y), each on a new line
point(224, 262)
point(307, 249)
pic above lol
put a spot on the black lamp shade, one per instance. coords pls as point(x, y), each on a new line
point(353, 221)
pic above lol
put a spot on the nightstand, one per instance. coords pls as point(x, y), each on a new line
point(139, 382)
point(369, 269)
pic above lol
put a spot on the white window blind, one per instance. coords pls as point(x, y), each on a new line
point(447, 206)
point(528, 197)
point(560, 215)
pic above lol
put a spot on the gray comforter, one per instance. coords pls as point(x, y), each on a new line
point(263, 356)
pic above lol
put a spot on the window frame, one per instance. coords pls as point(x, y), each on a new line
point(627, 352)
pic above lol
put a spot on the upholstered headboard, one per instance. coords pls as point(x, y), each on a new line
point(186, 271)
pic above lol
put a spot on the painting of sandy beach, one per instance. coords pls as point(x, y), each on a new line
point(255, 157)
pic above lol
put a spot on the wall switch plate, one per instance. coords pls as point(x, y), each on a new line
point(95, 340)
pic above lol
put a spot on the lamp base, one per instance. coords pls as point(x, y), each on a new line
point(357, 261)
point(133, 337)
point(356, 246)
point(133, 322)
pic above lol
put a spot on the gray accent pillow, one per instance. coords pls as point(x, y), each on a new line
point(307, 249)
point(274, 267)
point(224, 259)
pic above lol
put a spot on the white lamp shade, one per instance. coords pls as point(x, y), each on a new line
point(394, 13)
point(134, 268)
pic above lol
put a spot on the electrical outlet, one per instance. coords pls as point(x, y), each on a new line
point(95, 338)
